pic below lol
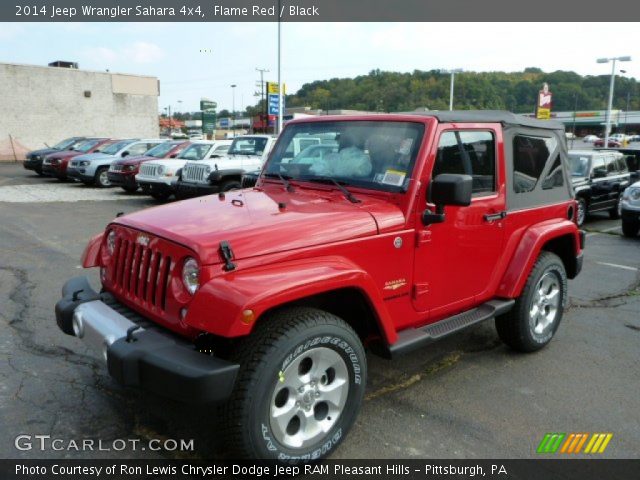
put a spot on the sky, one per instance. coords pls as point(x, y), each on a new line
point(195, 60)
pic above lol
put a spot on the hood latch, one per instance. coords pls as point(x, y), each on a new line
point(227, 254)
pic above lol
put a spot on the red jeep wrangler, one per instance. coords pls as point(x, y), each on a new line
point(404, 229)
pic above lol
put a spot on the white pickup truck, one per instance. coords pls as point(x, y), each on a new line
point(159, 178)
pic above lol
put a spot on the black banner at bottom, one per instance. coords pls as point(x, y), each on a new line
point(543, 469)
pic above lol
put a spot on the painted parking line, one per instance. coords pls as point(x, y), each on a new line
point(615, 265)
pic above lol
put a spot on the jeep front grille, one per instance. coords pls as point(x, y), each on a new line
point(141, 273)
point(193, 172)
point(149, 170)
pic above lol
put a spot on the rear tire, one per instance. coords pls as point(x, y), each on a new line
point(581, 211)
point(101, 178)
point(537, 313)
point(616, 211)
point(630, 229)
point(299, 389)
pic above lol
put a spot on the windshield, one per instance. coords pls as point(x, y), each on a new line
point(161, 150)
point(248, 146)
point(115, 147)
point(65, 144)
point(579, 165)
point(84, 147)
point(197, 151)
point(370, 154)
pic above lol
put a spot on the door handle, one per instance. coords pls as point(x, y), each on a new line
point(492, 217)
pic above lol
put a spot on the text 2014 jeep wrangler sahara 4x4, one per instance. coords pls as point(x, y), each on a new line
point(413, 227)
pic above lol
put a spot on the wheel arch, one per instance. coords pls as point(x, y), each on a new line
point(330, 283)
point(560, 237)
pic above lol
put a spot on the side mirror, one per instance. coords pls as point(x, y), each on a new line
point(447, 189)
point(124, 154)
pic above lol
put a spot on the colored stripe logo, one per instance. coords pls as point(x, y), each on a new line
point(574, 442)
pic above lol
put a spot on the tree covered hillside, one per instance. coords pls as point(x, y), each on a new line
point(515, 91)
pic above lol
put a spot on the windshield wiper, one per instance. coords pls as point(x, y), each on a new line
point(349, 196)
point(284, 179)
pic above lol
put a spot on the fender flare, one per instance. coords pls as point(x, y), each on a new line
point(263, 288)
point(526, 254)
point(218, 175)
point(91, 254)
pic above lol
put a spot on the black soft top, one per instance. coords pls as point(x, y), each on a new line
point(491, 116)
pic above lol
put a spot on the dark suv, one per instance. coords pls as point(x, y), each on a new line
point(599, 178)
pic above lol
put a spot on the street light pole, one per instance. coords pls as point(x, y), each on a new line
point(607, 128)
point(452, 73)
point(233, 107)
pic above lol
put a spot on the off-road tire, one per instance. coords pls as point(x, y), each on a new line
point(630, 228)
point(99, 179)
point(283, 339)
point(160, 196)
point(230, 185)
point(515, 328)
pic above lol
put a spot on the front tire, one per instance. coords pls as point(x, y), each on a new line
point(537, 313)
point(102, 178)
point(230, 185)
point(299, 389)
point(630, 229)
point(160, 195)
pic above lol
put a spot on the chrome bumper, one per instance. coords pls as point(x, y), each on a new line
point(100, 326)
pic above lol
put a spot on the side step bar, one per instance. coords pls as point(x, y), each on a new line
point(414, 338)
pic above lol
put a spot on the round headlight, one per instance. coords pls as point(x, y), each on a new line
point(208, 170)
point(111, 242)
point(160, 169)
point(191, 275)
point(634, 193)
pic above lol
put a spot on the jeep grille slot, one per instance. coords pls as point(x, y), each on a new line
point(141, 273)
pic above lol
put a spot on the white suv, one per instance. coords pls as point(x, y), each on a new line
point(160, 178)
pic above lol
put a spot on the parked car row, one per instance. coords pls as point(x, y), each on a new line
point(155, 165)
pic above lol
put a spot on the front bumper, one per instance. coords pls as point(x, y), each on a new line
point(630, 215)
point(30, 164)
point(79, 174)
point(122, 180)
point(50, 170)
point(138, 353)
point(188, 189)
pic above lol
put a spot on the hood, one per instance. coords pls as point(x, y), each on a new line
point(64, 155)
point(42, 152)
point(94, 156)
point(252, 223)
point(137, 160)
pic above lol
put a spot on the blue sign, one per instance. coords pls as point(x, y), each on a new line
point(274, 104)
point(224, 123)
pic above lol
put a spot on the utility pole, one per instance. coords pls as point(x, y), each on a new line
point(280, 96)
point(607, 128)
point(263, 104)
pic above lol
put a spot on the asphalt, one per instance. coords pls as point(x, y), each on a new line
point(466, 397)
